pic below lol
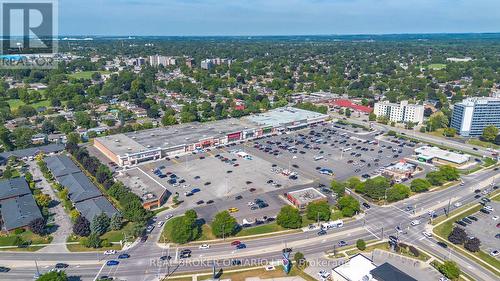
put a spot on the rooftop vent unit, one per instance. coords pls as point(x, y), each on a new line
point(117, 140)
point(148, 146)
point(129, 148)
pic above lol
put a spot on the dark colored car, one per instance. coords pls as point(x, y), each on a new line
point(442, 244)
point(165, 258)
point(124, 256)
point(210, 202)
point(239, 197)
point(112, 263)
point(321, 232)
point(4, 269)
point(61, 265)
point(200, 202)
point(236, 262)
point(366, 205)
point(241, 246)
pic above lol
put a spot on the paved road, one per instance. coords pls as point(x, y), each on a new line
point(143, 264)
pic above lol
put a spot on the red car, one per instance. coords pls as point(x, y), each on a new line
point(235, 243)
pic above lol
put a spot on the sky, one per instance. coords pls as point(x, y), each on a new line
point(276, 17)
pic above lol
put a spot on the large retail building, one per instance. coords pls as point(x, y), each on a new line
point(132, 148)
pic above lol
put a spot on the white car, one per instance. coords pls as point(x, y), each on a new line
point(169, 216)
point(250, 203)
point(415, 222)
point(427, 234)
point(457, 204)
point(495, 218)
point(110, 252)
point(494, 253)
point(160, 223)
point(489, 208)
point(204, 246)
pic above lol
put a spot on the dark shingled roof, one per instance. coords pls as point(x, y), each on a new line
point(79, 186)
point(61, 165)
point(13, 187)
point(387, 272)
point(32, 151)
point(19, 211)
point(95, 206)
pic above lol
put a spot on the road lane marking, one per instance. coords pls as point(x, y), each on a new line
point(367, 229)
point(98, 273)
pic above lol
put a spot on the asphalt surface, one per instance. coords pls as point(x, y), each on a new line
point(377, 223)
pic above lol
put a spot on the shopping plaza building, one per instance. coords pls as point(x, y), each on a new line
point(135, 147)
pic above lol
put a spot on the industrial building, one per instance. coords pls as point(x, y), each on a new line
point(400, 113)
point(472, 115)
point(135, 147)
point(430, 153)
point(302, 198)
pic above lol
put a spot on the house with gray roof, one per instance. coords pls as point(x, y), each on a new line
point(95, 206)
point(18, 211)
point(11, 188)
point(61, 165)
point(79, 186)
point(30, 152)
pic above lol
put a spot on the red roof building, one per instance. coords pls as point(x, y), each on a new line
point(351, 105)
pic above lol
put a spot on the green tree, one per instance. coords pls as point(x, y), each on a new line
point(372, 117)
point(348, 205)
point(420, 185)
point(489, 133)
point(168, 120)
point(449, 132)
point(435, 178)
point(289, 217)
point(361, 244)
point(450, 269)
point(398, 192)
point(224, 224)
point(43, 200)
point(53, 276)
point(375, 188)
point(299, 259)
point(116, 222)
point(92, 241)
point(100, 224)
point(449, 173)
point(318, 210)
point(338, 188)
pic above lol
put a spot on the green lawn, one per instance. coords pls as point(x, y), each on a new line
point(385, 246)
point(85, 74)
point(437, 66)
point(481, 143)
point(117, 235)
point(261, 229)
point(16, 103)
point(26, 236)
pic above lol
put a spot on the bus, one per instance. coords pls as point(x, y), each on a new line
point(332, 224)
point(319, 157)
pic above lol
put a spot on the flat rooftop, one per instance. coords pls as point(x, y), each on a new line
point(142, 185)
point(283, 116)
point(436, 152)
point(356, 269)
point(307, 195)
point(185, 134)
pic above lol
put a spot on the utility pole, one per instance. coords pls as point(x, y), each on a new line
point(449, 202)
point(382, 236)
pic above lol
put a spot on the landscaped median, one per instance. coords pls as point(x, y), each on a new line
point(111, 240)
point(443, 228)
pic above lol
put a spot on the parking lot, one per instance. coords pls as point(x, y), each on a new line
point(485, 227)
point(235, 175)
point(326, 149)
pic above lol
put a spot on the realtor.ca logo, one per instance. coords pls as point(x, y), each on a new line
point(28, 33)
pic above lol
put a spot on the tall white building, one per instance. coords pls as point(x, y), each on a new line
point(400, 112)
point(157, 60)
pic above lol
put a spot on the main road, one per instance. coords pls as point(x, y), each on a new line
point(377, 223)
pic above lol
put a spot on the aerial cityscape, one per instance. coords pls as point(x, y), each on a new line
point(250, 140)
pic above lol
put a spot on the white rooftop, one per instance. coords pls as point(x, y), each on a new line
point(436, 152)
point(356, 269)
